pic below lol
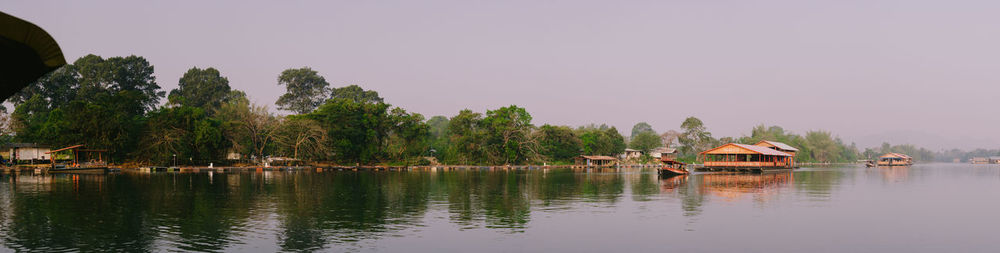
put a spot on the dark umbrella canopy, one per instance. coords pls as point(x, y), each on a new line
point(26, 53)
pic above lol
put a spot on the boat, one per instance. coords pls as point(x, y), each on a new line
point(80, 170)
point(894, 159)
point(672, 168)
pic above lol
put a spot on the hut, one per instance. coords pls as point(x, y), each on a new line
point(26, 152)
point(664, 153)
point(743, 157)
point(895, 159)
point(79, 156)
point(596, 160)
point(631, 154)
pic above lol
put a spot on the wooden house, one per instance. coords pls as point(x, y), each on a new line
point(631, 154)
point(26, 152)
point(596, 160)
point(743, 157)
point(894, 159)
point(780, 147)
point(664, 153)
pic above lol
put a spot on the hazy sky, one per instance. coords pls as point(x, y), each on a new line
point(923, 72)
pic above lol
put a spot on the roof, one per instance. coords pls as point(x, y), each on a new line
point(664, 150)
point(631, 150)
point(598, 157)
point(752, 148)
point(995, 158)
point(25, 145)
point(779, 145)
point(61, 149)
point(895, 155)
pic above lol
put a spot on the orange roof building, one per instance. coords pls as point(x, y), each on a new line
point(779, 147)
point(743, 157)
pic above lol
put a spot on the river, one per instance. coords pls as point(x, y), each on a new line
point(924, 208)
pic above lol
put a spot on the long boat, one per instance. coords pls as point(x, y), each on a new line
point(673, 168)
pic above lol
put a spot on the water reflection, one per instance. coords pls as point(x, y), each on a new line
point(306, 211)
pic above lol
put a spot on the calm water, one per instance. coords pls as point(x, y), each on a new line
point(925, 208)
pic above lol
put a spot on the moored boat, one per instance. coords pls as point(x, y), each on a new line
point(894, 159)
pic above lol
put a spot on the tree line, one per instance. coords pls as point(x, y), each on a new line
point(116, 104)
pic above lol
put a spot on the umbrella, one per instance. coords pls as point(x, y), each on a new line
point(27, 51)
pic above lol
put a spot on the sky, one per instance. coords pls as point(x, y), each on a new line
point(869, 71)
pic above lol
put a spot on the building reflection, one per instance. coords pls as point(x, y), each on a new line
point(732, 187)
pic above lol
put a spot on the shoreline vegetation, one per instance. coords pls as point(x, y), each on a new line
point(116, 104)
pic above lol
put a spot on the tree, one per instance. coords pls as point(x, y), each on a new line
point(202, 88)
point(466, 137)
point(669, 138)
point(301, 137)
point(95, 101)
point(249, 127)
point(355, 131)
point(645, 141)
point(601, 140)
point(356, 94)
point(508, 136)
point(305, 90)
point(694, 137)
point(559, 143)
point(408, 134)
point(183, 131)
point(640, 128)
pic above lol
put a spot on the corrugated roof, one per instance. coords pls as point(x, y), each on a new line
point(757, 149)
point(780, 145)
point(896, 155)
point(25, 145)
point(598, 157)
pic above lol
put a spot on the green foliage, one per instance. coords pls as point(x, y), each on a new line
point(508, 136)
point(466, 137)
point(438, 139)
point(186, 132)
point(95, 101)
point(602, 140)
point(645, 141)
point(301, 138)
point(305, 90)
point(408, 135)
point(202, 88)
point(355, 131)
point(559, 143)
point(694, 137)
point(641, 127)
point(918, 154)
point(815, 146)
point(355, 93)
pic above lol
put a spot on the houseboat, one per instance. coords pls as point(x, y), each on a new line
point(744, 157)
point(77, 159)
point(780, 147)
point(894, 159)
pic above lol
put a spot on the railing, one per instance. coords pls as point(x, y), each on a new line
point(745, 164)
